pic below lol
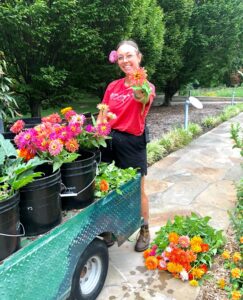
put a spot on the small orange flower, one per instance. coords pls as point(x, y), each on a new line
point(196, 240)
point(226, 255)
point(197, 273)
point(237, 257)
point(146, 253)
point(151, 262)
point(173, 237)
point(174, 267)
point(104, 185)
point(235, 273)
point(236, 295)
point(221, 283)
point(193, 282)
point(205, 247)
point(241, 239)
point(204, 268)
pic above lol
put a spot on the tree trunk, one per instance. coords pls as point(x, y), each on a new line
point(35, 108)
point(170, 89)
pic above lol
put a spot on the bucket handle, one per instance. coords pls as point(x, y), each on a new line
point(15, 235)
point(72, 194)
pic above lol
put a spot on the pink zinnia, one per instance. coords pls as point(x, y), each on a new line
point(103, 129)
point(78, 118)
point(89, 128)
point(184, 241)
point(75, 129)
point(53, 118)
point(17, 126)
point(55, 147)
point(69, 114)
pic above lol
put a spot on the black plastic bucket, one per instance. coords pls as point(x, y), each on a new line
point(40, 203)
point(9, 226)
point(78, 178)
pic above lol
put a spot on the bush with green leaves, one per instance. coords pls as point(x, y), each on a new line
point(155, 152)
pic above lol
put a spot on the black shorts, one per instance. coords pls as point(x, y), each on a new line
point(127, 150)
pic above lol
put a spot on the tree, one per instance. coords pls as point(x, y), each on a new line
point(56, 47)
point(177, 31)
point(210, 46)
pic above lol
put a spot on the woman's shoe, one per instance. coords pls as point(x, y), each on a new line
point(143, 239)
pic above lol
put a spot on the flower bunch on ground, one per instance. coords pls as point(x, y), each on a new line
point(185, 248)
point(110, 178)
point(58, 139)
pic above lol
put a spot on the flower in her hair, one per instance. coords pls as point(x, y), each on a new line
point(113, 56)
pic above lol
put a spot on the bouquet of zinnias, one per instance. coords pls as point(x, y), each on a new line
point(58, 140)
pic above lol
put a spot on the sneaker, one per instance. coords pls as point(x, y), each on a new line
point(143, 239)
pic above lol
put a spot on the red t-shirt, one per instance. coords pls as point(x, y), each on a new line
point(128, 111)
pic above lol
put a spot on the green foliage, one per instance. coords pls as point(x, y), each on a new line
point(192, 226)
point(114, 176)
point(57, 47)
point(14, 172)
point(155, 152)
point(211, 122)
point(8, 104)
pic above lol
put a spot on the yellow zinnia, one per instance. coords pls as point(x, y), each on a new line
point(174, 267)
point(221, 283)
point(196, 240)
point(226, 255)
point(196, 248)
point(65, 110)
point(197, 273)
point(236, 257)
point(236, 295)
point(193, 282)
point(235, 273)
point(173, 237)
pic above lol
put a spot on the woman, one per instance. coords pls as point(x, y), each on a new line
point(128, 144)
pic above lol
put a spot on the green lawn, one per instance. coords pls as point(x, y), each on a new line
point(218, 92)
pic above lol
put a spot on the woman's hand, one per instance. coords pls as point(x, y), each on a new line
point(141, 96)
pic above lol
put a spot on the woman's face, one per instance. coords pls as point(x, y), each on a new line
point(128, 58)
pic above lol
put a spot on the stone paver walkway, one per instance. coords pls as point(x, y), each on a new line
point(200, 178)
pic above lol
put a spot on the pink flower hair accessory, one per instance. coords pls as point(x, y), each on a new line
point(113, 57)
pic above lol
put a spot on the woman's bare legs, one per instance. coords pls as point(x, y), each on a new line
point(144, 236)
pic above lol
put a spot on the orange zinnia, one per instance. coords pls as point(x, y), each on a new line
point(151, 263)
point(138, 77)
point(173, 237)
point(146, 253)
point(104, 185)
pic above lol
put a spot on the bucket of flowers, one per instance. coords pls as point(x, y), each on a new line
point(185, 248)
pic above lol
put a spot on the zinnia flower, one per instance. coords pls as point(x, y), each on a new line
point(196, 248)
point(113, 56)
point(193, 282)
point(173, 237)
point(72, 145)
point(103, 129)
point(162, 265)
point(197, 273)
point(26, 154)
point(241, 239)
point(226, 255)
point(65, 110)
point(146, 253)
point(55, 147)
point(196, 240)
point(138, 77)
point(204, 268)
point(184, 241)
point(104, 185)
point(221, 283)
point(53, 118)
point(235, 295)
point(89, 128)
point(184, 275)
point(174, 267)
point(103, 107)
point(205, 247)
point(151, 263)
point(17, 126)
point(237, 257)
point(236, 273)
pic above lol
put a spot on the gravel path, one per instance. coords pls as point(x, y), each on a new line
point(162, 119)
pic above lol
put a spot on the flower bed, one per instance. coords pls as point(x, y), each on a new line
point(185, 248)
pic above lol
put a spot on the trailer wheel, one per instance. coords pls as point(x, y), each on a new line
point(90, 273)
